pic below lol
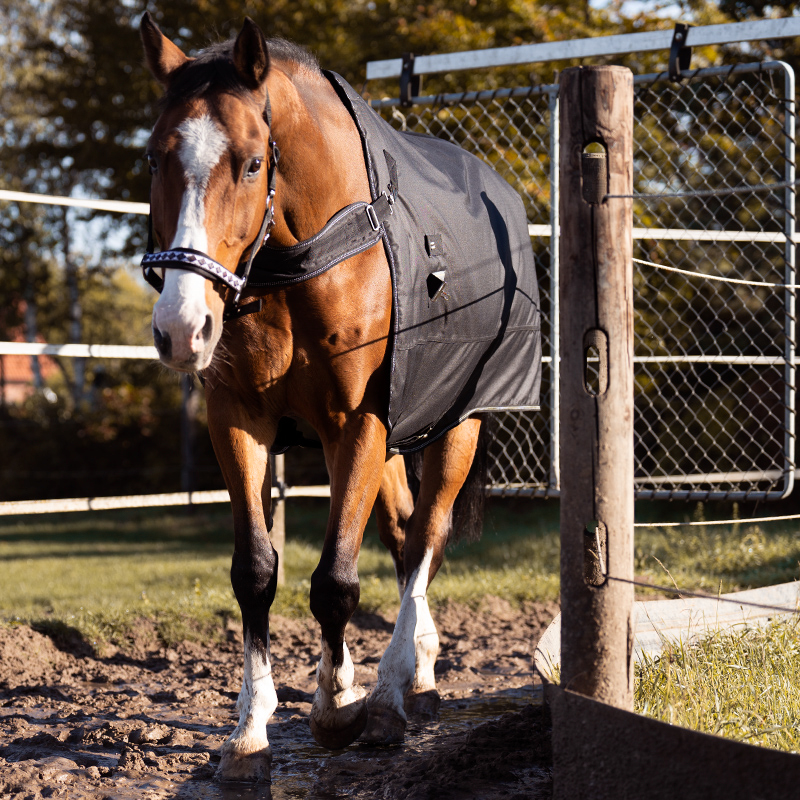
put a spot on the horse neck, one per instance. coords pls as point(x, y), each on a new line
point(321, 168)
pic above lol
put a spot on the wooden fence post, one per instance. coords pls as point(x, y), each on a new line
point(190, 400)
point(278, 533)
point(596, 341)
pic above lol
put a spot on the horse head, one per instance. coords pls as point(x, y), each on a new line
point(212, 161)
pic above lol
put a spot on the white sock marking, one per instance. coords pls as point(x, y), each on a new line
point(257, 701)
point(410, 656)
point(336, 701)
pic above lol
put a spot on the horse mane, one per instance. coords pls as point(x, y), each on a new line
point(213, 67)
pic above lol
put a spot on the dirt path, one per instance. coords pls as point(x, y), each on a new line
point(147, 722)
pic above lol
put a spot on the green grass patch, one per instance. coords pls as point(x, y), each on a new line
point(712, 558)
point(98, 573)
point(744, 685)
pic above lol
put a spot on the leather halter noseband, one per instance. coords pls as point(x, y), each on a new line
point(195, 261)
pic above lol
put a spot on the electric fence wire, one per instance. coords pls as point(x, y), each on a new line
point(694, 274)
point(756, 187)
point(704, 595)
point(695, 523)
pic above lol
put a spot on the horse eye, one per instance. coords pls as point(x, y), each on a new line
point(254, 167)
point(152, 163)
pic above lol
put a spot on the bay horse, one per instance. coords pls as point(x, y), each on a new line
point(254, 142)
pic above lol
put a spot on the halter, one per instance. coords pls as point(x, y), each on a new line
point(196, 261)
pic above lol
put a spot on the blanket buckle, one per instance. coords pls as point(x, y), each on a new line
point(373, 218)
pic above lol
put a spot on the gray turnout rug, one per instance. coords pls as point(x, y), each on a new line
point(466, 319)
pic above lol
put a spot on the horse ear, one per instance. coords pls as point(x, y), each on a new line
point(251, 56)
point(163, 56)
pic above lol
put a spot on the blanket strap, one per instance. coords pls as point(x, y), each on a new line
point(352, 230)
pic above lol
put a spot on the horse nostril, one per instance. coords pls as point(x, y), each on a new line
point(208, 327)
point(163, 343)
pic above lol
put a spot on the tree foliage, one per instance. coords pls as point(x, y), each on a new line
point(78, 104)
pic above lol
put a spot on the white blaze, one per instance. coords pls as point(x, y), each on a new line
point(181, 310)
point(202, 145)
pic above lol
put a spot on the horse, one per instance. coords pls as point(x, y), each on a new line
point(255, 161)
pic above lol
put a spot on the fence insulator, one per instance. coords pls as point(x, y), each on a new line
point(595, 177)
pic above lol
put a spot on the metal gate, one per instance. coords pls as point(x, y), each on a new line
point(714, 396)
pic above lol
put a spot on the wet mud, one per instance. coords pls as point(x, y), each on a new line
point(144, 721)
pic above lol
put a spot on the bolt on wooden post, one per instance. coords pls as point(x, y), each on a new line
point(596, 107)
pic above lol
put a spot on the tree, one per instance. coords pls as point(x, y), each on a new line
point(78, 105)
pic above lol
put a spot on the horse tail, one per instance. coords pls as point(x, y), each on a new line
point(467, 516)
point(471, 500)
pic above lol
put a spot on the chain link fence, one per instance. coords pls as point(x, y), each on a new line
point(513, 131)
point(714, 389)
point(713, 360)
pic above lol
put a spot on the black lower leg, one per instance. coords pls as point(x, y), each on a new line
point(254, 578)
point(335, 593)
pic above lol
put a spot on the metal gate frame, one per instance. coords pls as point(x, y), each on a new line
point(781, 479)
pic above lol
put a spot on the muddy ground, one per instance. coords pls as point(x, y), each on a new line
point(143, 721)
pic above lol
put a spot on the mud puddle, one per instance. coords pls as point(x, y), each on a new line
point(148, 722)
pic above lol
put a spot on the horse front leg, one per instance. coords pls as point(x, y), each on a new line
point(406, 671)
point(241, 446)
point(339, 711)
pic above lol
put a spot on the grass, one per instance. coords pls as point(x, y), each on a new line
point(743, 685)
point(715, 559)
point(100, 572)
point(97, 574)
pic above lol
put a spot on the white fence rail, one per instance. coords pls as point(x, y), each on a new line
point(24, 507)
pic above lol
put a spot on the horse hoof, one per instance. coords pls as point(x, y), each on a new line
point(423, 705)
point(385, 726)
point(338, 738)
point(249, 768)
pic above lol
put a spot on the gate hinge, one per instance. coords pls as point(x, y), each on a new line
point(680, 55)
point(410, 84)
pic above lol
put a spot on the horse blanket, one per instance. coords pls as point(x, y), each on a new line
point(466, 318)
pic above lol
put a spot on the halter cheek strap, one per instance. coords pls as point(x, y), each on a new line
point(195, 261)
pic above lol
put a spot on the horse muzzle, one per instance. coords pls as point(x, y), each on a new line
point(184, 329)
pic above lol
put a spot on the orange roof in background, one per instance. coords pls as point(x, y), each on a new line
point(16, 371)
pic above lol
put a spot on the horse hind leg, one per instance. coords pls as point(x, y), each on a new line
point(406, 672)
point(393, 509)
